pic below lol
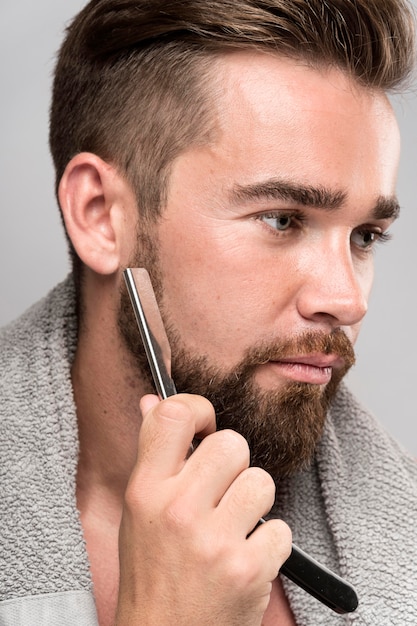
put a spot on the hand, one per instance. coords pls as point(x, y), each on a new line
point(185, 555)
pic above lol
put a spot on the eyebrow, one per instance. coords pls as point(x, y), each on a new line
point(386, 207)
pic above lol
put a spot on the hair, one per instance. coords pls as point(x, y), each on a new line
point(134, 78)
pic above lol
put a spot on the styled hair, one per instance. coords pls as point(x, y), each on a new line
point(134, 78)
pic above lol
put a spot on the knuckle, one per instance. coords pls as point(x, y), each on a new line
point(186, 408)
point(241, 569)
point(211, 549)
point(255, 486)
point(264, 485)
point(175, 409)
point(226, 445)
point(262, 479)
point(177, 519)
point(131, 495)
point(134, 498)
point(200, 402)
point(234, 443)
point(284, 530)
point(173, 514)
point(282, 536)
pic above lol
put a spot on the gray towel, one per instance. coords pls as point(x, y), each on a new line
point(355, 509)
point(356, 512)
point(43, 549)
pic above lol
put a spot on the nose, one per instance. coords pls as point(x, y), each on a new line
point(335, 287)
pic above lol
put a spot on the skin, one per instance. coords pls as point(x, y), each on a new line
point(183, 547)
point(270, 284)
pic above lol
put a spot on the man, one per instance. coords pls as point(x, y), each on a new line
point(245, 153)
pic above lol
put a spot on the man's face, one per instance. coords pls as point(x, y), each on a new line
point(264, 257)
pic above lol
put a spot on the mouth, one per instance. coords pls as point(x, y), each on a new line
point(315, 369)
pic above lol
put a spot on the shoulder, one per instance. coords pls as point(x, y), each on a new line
point(31, 345)
point(363, 440)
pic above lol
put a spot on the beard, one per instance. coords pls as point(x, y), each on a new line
point(282, 426)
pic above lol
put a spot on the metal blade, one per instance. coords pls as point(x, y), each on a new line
point(151, 329)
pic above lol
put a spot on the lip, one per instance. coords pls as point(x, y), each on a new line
point(315, 360)
point(315, 369)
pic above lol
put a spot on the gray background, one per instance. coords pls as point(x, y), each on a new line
point(33, 254)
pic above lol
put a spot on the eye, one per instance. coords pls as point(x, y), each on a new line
point(280, 221)
point(366, 238)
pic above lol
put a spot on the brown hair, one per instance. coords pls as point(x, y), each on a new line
point(132, 77)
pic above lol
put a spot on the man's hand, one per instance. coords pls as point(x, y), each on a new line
point(186, 553)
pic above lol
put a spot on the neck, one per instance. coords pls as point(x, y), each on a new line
point(107, 390)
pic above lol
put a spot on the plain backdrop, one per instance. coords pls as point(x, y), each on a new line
point(33, 255)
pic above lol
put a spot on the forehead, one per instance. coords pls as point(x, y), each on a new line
point(277, 117)
point(261, 82)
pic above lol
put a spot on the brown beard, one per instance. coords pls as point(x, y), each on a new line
point(282, 427)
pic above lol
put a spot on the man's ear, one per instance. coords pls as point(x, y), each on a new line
point(94, 199)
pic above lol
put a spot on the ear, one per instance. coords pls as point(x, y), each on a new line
point(96, 203)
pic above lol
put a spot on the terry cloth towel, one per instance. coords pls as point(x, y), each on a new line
point(44, 571)
point(354, 510)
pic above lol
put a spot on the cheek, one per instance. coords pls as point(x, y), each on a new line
point(223, 299)
point(214, 308)
point(365, 277)
point(365, 274)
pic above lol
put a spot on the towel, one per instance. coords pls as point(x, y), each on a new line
point(354, 509)
point(42, 552)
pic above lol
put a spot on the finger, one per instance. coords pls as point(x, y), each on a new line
point(250, 497)
point(167, 431)
point(214, 466)
point(272, 541)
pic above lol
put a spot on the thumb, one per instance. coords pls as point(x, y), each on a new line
point(147, 402)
